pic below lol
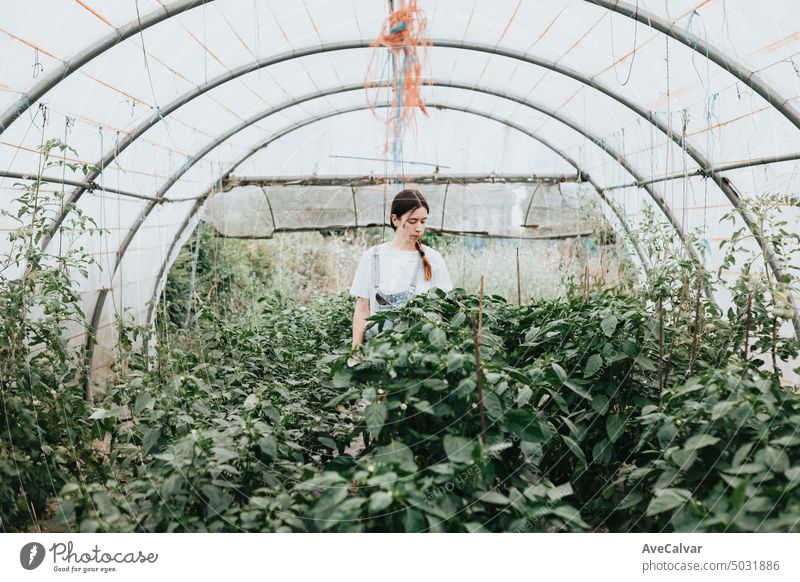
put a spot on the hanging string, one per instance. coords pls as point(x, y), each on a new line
point(37, 66)
point(150, 79)
point(633, 52)
point(107, 254)
point(258, 35)
point(101, 182)
point(709, 106)
point(198, 232)
point(684, 125)
point(43, 111)
point(205, 43)
point(389, 68)
point(69, 122)
point(669, 123)
point(704, 81)
point(404, 35)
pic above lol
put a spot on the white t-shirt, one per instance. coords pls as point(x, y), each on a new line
point(396, 270)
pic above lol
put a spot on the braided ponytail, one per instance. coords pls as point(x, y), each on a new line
point(405, 201)
point(426, 264)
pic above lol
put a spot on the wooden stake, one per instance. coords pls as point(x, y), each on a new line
point(480, 307)
point(696, 333)
point(586, 283)
point(660, 345)
point(774, 348)
point(477, 328)
point(519, 288)
point(747, 324)
point(671, 352)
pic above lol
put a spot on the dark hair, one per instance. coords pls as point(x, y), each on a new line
point(406, 201)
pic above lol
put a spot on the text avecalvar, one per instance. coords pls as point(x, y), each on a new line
point(671, 549)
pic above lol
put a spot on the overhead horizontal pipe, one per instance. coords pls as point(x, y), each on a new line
point(88, 186)
point(239, 181)
point(707, 172)
point(477, 233)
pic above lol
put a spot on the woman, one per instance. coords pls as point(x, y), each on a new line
point(391, 272)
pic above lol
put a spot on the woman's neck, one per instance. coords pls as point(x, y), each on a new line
point(401, 245)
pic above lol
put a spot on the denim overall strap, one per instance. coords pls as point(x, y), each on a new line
point(376, 269)
point(416, 276)
point(376, 272)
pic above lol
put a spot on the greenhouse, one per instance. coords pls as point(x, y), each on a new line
point(193, 189)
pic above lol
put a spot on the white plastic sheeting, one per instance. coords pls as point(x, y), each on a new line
point(512, 210)
point(600, 82)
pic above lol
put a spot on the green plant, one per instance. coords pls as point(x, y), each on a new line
point(46, 432)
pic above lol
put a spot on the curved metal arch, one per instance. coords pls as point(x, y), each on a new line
point(218, 184)
point(95, 49)
point(350, 45)
point(722, 182)
point(707, 50)
point(649, 19)
point(659, 201)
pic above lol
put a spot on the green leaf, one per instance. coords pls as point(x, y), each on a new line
point(721, 409)
point(602, 451)
point(342, 378)
point(101, 413)
point(645, 363)
point(494, 408)
point(524, 396)
point(324, 480)
point(562, 375)
point(667, 500)
point(526, 426)
point(577, 389)
point(379, 501)
point(786, 441)
point(455, 362)
point(699, 441)
point(218, 499)
point(336, 400)
point(575, 448)
point(327, 502)
point(250, 402)
point(437, 338)
point(414, 521)
point(631, 499)
point(615, 426)
point(593, 364)
point(560, 491)
point(793, 475)
point(150, 437)
point(494, 497)
point(268, 446)
point(600, 403)
point(143, 401)
point(459, 449)
point(570, 515)
point(375, 416)
point(746, 469)
point(396, 453)
point(384, 480)
point(327, 442)
point(609, 324)
point(683, 458)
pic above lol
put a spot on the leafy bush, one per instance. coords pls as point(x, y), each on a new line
point(599, 411)
point(46, 438)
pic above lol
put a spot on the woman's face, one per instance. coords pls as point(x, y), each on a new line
point(411, 226)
